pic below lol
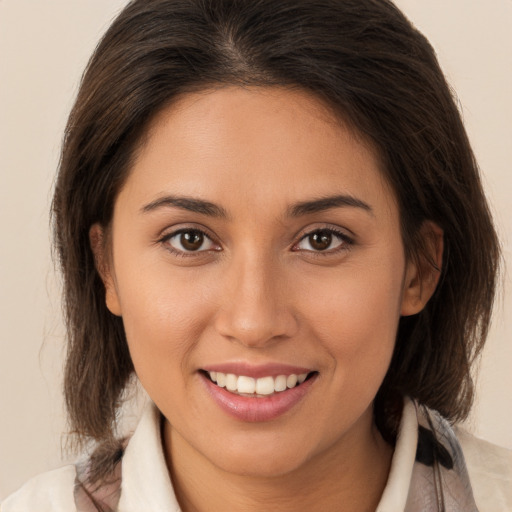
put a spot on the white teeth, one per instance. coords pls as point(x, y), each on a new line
point(220, 378)
point(231, 382)
point(280, 383)
point(263, 386)
point(291, 380)
point(246, 384)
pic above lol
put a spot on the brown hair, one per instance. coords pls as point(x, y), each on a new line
point(364, 59)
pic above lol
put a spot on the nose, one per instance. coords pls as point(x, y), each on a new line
point(256, 305)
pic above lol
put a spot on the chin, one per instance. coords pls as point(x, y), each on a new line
point(260, 458)
point(261, 465)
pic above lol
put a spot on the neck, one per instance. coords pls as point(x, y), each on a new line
point(350, 475)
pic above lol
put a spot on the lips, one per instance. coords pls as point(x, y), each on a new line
point(256, 394)
point(263, 386)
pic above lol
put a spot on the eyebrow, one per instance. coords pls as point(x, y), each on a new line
point(326, 203)
point(296, 210)
point(187, 203)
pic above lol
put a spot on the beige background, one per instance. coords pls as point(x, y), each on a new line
point(44, 45)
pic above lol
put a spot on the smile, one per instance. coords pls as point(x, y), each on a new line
point(252, 387)
point(269, 393)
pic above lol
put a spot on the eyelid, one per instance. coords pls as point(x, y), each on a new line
point(341, 233)
point(327, 226)
point(338, 232)
point(170, 233)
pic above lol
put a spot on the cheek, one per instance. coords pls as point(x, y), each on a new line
point(355, 315)
point(355, 323)
point(163, 316)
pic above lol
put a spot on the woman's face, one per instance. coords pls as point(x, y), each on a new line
point(256, 237)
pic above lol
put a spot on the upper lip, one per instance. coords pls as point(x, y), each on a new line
point(272, 369)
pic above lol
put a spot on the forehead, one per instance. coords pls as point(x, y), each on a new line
point(260, 145)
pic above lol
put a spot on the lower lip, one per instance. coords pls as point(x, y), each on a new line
point(249, 409)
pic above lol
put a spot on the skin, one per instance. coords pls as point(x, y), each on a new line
point(258, 290)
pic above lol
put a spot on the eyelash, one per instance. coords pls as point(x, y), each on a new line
point(346, 242)
point(165, 240)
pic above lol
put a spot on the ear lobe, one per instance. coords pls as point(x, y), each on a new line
point(97, 239)
point(422, 274)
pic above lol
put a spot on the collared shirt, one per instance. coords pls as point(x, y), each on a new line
point(146, 485)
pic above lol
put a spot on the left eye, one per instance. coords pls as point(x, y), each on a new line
point(190, 240)
point(322, 240)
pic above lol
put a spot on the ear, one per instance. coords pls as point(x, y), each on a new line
point(98, 241)
point(422, 273)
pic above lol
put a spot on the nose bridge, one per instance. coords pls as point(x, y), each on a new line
point(256, 308)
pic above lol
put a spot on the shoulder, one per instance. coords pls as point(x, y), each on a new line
point(490, 472)
point(51, 491)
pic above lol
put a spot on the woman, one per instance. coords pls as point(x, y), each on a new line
point(269, 212)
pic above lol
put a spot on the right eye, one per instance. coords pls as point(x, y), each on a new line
point(186, 241)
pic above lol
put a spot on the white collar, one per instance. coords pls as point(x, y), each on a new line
point(396, 491)
point(146, 484)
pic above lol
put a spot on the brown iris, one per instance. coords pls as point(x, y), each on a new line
point(320, 240)
point(191, 240)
